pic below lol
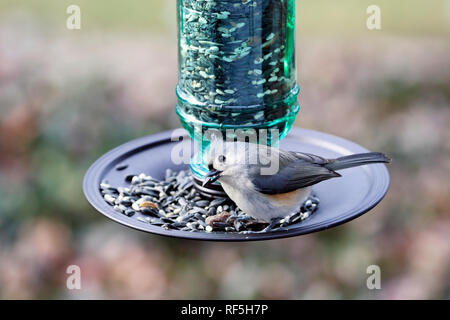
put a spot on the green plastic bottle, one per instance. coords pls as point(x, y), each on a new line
point(236, 62)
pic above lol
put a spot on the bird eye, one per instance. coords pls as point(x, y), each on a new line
point(221, 158)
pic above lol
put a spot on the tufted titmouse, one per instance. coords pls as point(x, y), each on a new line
point(244, 171)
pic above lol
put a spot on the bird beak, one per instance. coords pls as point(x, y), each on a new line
point(211, 177)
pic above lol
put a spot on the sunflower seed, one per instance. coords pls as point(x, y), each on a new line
point(217, 202)
point(202, 203)
point(211, 211)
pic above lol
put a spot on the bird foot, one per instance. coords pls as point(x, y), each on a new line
point(243, 218)
point(272, 224)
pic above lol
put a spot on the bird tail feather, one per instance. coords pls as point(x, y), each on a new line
point(356, 160)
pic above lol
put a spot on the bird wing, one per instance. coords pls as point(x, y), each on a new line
point(296, 170)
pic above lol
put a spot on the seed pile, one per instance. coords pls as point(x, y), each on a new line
point(236, 53)
point(174, 203)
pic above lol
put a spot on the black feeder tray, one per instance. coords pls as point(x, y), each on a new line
point(341, 199)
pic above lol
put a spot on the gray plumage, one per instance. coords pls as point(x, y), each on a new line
point(300, 170)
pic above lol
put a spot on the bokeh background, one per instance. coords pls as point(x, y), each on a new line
point(67, 96)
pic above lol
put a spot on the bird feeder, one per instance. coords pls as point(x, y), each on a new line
point(236, 63)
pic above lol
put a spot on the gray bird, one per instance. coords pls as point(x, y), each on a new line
point(268, 183)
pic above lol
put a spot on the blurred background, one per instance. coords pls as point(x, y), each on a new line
point(68, 96)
